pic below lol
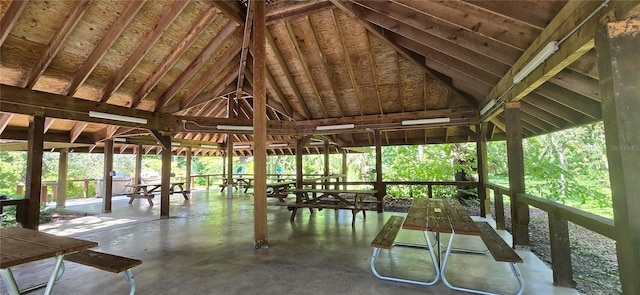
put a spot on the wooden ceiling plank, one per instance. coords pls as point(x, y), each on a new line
point(349, 9)
point(578, 82)
point(372, 60)
point(145, 45)
point(325, 66)
point(287, 73)
point(554, 108)
point(174, 55)
point(10, 17)
point(214, 70)
point(570, 50)
point(352, 76)
point(228, 30)
point(305, 66)
point(438, 44)
point(278, 11)
point(50, 51)
point(76, 130)
point(556, 122)
point(101, 48)
point(481, 21)
point(533, 13)
point(214, 92)
point(452, 33)
point(571, 99)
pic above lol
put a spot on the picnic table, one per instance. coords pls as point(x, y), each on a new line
point(444, 216)
point(279, 189)
point(21, 245)
point(242, 182)
point(329, 199)
point(148, 190)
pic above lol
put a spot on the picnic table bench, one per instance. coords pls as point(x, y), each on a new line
point(444, 216)
point(279, 189)
point(329, 199)
point(107, 262)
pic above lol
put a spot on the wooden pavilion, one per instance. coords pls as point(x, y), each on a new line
point(271, 77)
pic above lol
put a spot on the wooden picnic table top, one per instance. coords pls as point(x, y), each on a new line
point(439, 215)
point(21, 245)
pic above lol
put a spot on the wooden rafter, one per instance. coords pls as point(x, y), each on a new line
point(570, 50)
point(214, 70)
point(287, 73)
point(10, 17)
point(55, 44)
point(144, 47)
point(4, 120)
point(288, 9)
point(227, 31)
point(76, 130)
point(246, 41)
point(214, 92)
point(302, 58)
point(174, 55)
point(349, 65)
point(101, 48)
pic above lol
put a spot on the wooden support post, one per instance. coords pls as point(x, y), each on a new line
point(617, 44)
point(166, 179)
point(519, 210)
point(560, 251)
point(63, 167)
point(188, 170)
point(345, 168)
point(483, 172)
point(107, 185)
point(300, 143)
point(34, 171)
point(230, 167)
point(138, 169)
point(260, 127)
point(325, 145)
point(379, 186)
point(499, 204)
point(85, 188)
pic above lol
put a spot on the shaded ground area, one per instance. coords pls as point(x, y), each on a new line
point(595, 265)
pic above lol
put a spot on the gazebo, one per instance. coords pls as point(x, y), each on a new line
point(274, 77)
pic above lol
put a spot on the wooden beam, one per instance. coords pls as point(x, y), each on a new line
point(287, 73)
point(348, 62)
point(166, 177)
point(168, 62)
point(145, 45)
point(570, 50)
point(63, 169)
point(245, 47)
point(5, 118)
point(25, 101)
point(101, 48)
point(56, 43)
point(10, 17)
point(278, 11)
point(76, 130)
point(232, 9)
point(617, 44)
point(213, 71)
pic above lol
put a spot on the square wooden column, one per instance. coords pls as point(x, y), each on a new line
point(379, 186)
point(260, 127)
point(618, 45)
point(483, 172)
point(107, 177)
point(188, 169)
point(165, 178)
point(138, 168)
point(63, 167)
point(33, 181)
point(519, 210)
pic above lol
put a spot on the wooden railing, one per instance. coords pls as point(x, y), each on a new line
point(559, 215)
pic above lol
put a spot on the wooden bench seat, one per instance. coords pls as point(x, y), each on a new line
point(107, 262)
point(387, 235)
point(498, 248)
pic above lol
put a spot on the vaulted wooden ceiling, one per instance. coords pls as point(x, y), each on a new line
point(186, 67)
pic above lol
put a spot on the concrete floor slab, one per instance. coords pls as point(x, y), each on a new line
point(206, 247)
